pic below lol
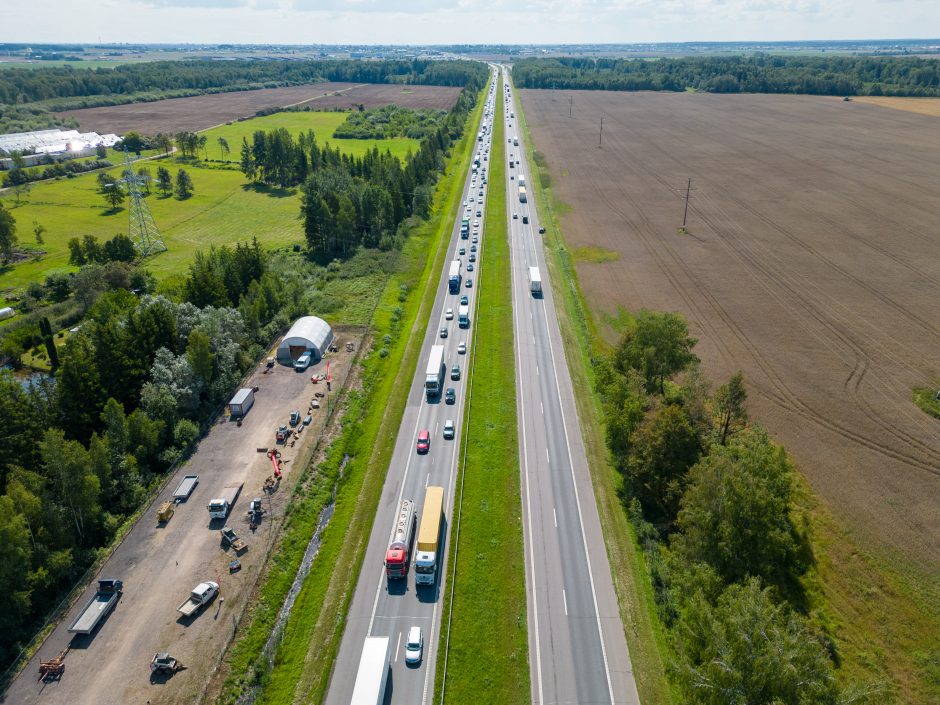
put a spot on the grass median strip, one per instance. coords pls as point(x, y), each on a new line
point(646, 637)
point(487, 661)
point(311, 639)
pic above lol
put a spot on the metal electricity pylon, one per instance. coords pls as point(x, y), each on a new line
point(141, 229)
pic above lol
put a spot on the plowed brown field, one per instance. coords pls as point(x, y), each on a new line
point(812, 263)
point(204, 111)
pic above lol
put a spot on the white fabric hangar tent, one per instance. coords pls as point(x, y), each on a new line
point(307, 334)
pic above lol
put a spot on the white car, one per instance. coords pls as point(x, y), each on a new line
point(462, 348)
point(414, 646)
point(449, 314)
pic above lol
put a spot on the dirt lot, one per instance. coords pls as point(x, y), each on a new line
point(924, 106)
point(160, 564)
point(812, 263)
point(204, 111)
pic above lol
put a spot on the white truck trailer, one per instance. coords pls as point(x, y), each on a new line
point(434, 376)
point(463, 316)
point(373, 672)
point(535, 281)
point(220, 506)
point(103, 601)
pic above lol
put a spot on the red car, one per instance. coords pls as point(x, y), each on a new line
point(424, 441)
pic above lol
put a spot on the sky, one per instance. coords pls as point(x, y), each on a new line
point(462, 21)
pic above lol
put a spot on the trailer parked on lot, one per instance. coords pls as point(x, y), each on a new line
point(241, 402)
point(103, 601)
point(185, 488)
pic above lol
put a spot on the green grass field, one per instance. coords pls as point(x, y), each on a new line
point(322, 123)
point(487, 562)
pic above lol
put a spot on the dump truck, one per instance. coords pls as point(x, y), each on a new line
point(220, 506)
point(535, 281)
point(230, 539)
point(397, 557)
point(99, 606)
point(372, 676)
point(185, 488)
point(429, 535)
point(201, 596)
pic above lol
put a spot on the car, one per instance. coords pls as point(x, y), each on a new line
point(525, 219)
point(449, 314)
point(476, 224)
point(294, 417)
point(461, 251)
point(475, 240)
point(414, 646)
point(462, 348)
point(473, 258)
point(443, 331)
point(423, 445)
point(469, 266)
point(449, 429)
point(307, 420)
point(468, 283)
point(455, 372)
point(541, 230)
point(512, 177)
point(473, 248)
point(464, 300)
point(481, 192)
point(509, 139)
point(479, 213)
point(480, 199)
point(515, 216)
point(303, 362)
point(450, 396)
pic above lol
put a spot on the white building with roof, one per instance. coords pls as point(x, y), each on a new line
point(308, 334)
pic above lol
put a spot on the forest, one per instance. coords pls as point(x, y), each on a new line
point(389, 121)
point(139, 380)
point(761, 73)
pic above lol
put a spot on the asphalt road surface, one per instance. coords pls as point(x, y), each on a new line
point(380, 607)
point(577, 649)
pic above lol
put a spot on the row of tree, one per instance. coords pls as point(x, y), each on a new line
point(761, 73)
point(712, 499)
point(18, 86)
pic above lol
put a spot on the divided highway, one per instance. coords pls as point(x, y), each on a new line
point(390, 608)
point(577, 649)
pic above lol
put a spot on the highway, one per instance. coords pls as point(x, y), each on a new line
point(389, 608)
point(577, 649)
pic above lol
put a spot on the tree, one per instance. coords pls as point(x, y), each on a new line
point(120, 248)
point(184, 184)
point(80, 396)
point(746, 649)
point(659, 346)
point(735, 513)
point(204, 285)
point(92, 249)
point(38, 231)
point(665, 446)
point(730, 406)
point(223, 147)
point(164, 180)
point(15, 561)
point(7, 232)
point(67, 464)
point(201, 144)
point(57, 286)
point(109, 187)
point(101, 151)
point(200, 357)
point(163, 142)
point(133, 142)
point(145, 179)
point(247, 165)
point(76, 254)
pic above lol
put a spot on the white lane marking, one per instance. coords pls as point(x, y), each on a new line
point(537, 373)
point(548, 457)
point(564, 598)
point(427, 480)
point(397, 646)
point(555, 517)
point(542, 407)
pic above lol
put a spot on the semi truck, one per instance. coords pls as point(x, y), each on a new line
point(201, 596)
point(453, 278)
point(535, 281)
point(220, 506)
point(429, 535)
point(373, 672)
point(463, 316)
point(521, 179)
point(465, 228)
point(434, 377)
point(522, 195)
point(398, 555)
point(98, 607)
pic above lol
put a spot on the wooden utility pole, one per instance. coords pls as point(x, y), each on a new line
point(688, 189)
point(600, 136)
point(570, 105)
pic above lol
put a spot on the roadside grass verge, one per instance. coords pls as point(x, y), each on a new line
point(487, 661)
point(645, 634)
point(305, 656)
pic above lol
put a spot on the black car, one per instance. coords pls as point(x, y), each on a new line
point(455, 372)
point(450, 396)
point(444, 332)
point(541, 230)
